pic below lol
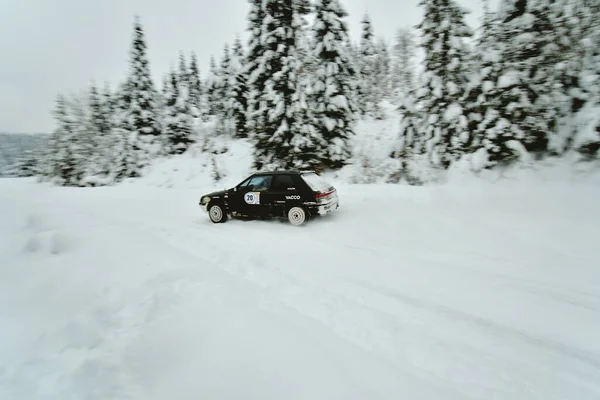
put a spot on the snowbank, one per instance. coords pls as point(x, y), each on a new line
point(197, 169)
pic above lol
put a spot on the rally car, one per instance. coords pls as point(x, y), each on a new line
point(295, 195)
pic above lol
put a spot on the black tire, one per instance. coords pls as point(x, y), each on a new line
point(216, 213)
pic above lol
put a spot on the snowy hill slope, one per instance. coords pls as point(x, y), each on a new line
point(13, 146)
point(439, 292)
point(233, 159)
point(197, 169)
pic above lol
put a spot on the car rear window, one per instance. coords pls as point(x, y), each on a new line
point(315, 182)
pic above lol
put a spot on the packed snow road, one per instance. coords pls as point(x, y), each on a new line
point(404, 293)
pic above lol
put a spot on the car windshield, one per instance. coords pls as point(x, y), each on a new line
point(244, 183)
point(315, 182)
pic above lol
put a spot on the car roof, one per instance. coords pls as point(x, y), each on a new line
point(288, 172)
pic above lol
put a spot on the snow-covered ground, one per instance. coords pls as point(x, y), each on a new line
point(488, 291)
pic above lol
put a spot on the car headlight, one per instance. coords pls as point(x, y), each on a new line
point(205, 200)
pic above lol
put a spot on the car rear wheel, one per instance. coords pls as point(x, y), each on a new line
point(216, 214)
point(297, 215)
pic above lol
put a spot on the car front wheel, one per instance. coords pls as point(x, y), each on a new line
point(297, 215)
point(216, 214)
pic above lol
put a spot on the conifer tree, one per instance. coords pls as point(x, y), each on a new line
point(333, 104)
point(410, 150)
point(577, 76)
point(183, 75)
point(367, 62)
point(444, 81)
point(254, 70)
point(239, 90)
point(382, 69)
point(223, 94)
point(403, 68)
point(480, 95)
point(99, 128)
point(143, 112)
point(125, 157)
point(282, 142)
point(83, 142)
point(178, 118)
point(195, 88)
point(305, 43)
point(212, 85)
point(63, 166)
point(519, 60)
point(97, 122)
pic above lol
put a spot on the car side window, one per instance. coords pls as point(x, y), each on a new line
point(260, 183)
point(244, 184)
point(283, 183)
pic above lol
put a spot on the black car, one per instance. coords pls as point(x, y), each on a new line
point(295, 195)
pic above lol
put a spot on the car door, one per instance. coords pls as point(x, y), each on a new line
point(236, 197)
point(250, 198)
point(283, 192)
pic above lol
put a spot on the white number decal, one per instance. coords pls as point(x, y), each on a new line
point(252, 197)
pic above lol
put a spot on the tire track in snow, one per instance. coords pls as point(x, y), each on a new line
point(378, 320)
point(327, 310)
point(381, 331)
point(585, 357)
point(376, 330)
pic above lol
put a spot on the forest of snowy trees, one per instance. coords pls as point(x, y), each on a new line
point(525, 83)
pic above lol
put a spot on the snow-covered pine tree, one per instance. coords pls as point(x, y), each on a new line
point(334, 84)
point(578, 75)
point(367, 62)
point(107, 108)
point(124, 160)
point(183, 84)
point(212, 88)
point(444, 81)
point(142, 107)
point(479, 100)
point(352, 51)
point(520, 104)
point(183, 74)
point(178, 119)
point(305, 43)
point(283, 141)
point(409, 154)
point(382, 69)
point(308, 139)
point(83, 142)
point(403, 68)
point(487, 19)
point(224, 92)
point(63, 163)
point(107, 142)
point(99, 130)
point(253, 69)
point(96, 122)
point(195, 88)
point(27, 165)
point(239, 90)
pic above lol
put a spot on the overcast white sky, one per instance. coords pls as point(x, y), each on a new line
point(51, 46)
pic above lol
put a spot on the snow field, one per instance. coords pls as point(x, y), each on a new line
point(477, 292)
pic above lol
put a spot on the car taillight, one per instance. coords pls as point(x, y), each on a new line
point(323, 196)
